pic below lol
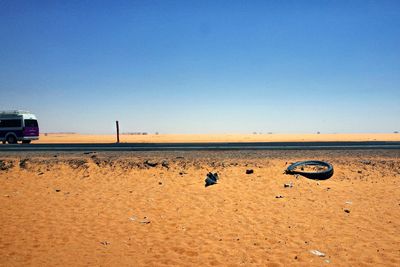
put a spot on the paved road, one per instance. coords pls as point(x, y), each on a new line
point(203, 146)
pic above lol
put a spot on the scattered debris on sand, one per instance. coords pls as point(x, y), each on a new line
point(127, 204)
point(6, 165)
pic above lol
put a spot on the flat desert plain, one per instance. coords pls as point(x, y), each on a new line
point(152, 209)
point(209, 138)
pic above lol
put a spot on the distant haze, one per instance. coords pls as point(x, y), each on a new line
point(203, 66)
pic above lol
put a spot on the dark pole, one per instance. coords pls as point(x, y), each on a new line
point(117, 131)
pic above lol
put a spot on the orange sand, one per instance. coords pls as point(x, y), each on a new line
point(178, 138)
point(110, 209)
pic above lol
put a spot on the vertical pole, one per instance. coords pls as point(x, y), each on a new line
point(117, 131)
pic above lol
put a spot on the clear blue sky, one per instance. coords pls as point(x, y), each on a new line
point(203, 66)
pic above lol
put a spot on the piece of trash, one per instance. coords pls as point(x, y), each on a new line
point(288, 185)
point(327, 261)
point(133, 218)
point(347, 211)
point(250, 171)
point(279, 196)
point(313, 169)
point(317, 253)
point(144, 221)
point(211, 179)
point(349, 202)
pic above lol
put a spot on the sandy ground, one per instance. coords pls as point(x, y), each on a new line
point(118, 209)
point(179, 138)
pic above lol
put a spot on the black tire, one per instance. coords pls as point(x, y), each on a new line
point(11, 139)
point(323, 175)
point(26, 141)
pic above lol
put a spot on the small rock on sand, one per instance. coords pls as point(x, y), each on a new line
point(165, 164)
point(23, 163)
point(150, 163)
point(250, 171)
point(288, 185)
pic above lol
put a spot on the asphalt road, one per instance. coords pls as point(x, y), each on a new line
point(202, 146)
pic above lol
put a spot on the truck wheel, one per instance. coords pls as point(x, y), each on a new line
point(11, 139)
point(26, 141)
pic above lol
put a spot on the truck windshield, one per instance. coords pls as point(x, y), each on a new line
point(31, 123)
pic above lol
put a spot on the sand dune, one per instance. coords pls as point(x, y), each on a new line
point(114, 209)
point(201, 138)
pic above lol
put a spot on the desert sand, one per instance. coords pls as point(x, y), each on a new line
point(152, 209)
point(202, 138)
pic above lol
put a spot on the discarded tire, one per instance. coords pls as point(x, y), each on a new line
point(317, 175)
